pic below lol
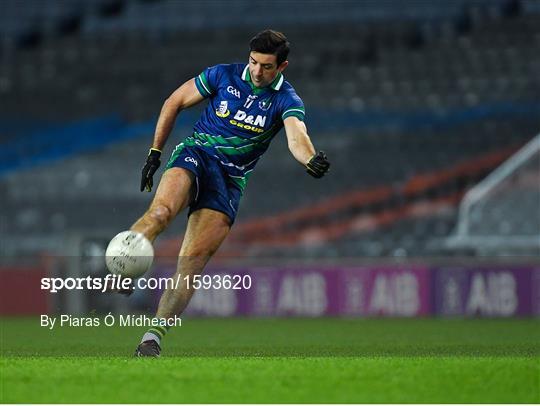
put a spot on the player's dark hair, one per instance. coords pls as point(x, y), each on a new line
point(271, 42)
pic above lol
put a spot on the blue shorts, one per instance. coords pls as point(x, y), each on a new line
point(213, 187)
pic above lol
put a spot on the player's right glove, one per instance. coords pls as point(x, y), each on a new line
point(318, 165)
point(150, 167)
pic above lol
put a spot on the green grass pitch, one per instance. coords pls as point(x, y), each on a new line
point(276, 361)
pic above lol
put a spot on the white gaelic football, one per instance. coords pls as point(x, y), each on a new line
point(129, 254)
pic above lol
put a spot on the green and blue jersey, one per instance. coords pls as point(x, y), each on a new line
point(240, 119)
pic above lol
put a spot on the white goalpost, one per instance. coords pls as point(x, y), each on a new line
point(501, 214)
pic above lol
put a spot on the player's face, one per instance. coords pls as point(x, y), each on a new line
point(263, 68)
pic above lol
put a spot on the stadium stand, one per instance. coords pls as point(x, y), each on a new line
point(395, 96)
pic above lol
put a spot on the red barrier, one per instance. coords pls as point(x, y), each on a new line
point(20, 292)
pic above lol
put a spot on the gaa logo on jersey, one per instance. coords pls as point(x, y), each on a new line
point(233, 91)
point(222, 110)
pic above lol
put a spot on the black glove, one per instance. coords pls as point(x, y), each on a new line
point(150, 167)
point(318, 165)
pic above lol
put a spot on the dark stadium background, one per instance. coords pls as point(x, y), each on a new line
point(429, 112)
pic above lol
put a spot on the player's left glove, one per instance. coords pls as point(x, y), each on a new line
point(150, 167)
point(318, 165)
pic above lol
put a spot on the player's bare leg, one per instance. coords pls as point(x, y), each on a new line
point(205, 232)
point(172, 195)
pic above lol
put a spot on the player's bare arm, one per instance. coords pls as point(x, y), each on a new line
point(182, 98)
point(302, 148)
point(298, 140)
point(174, 191)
